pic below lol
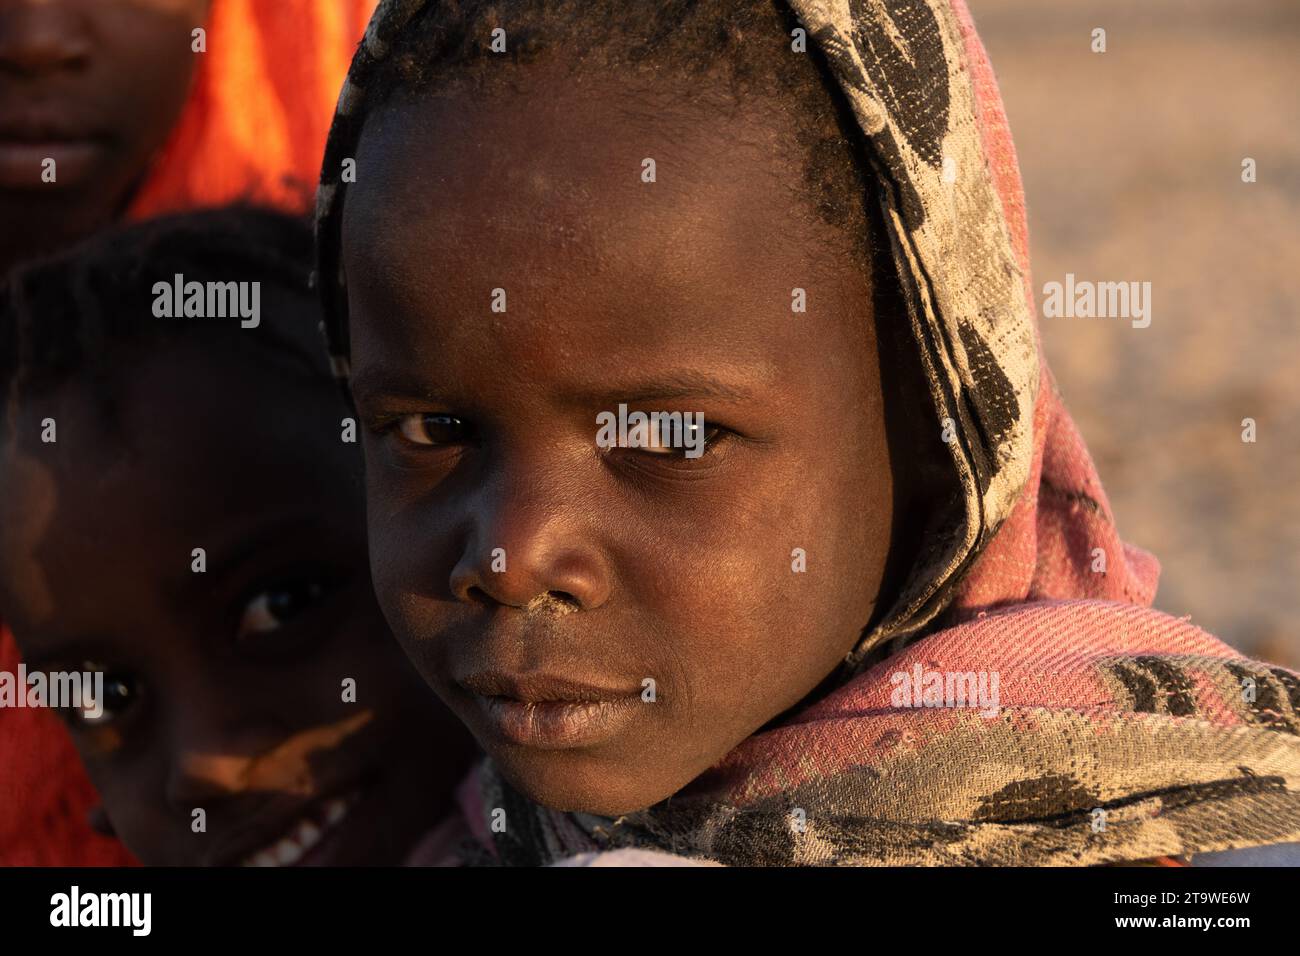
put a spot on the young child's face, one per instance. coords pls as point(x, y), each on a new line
point(674, 295)
point(95, 85)
point(224, 689)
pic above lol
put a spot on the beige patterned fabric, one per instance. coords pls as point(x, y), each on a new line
point(902, 67)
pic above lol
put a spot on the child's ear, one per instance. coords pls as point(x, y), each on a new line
point(98, 819)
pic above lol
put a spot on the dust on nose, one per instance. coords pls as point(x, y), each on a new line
point(551, 604)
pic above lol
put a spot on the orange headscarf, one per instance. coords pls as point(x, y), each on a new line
point(253, 129)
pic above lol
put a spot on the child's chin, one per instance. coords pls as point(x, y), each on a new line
point(561, 782)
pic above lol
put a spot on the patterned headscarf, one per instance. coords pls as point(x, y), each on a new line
point(1120, 733)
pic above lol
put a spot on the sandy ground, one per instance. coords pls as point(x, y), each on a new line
point(1132, 167)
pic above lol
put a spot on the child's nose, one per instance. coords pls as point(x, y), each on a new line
point(527, 547)
point(41, 37)
point(560, 581)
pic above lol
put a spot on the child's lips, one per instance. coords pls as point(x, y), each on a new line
point(557, 725)
point(549, 712)
point(22, 163)
point(26, 143)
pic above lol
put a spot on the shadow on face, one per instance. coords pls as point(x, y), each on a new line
point(609, 621)
point(264, 690)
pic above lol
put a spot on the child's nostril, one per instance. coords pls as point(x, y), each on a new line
point(557, 603)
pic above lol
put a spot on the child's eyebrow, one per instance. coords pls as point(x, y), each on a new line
point(224, 561)
point(42, 653)
point(672, 385)
point(371, 383)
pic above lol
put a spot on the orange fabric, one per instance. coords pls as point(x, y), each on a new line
point(44, 793)
point(254, 129)
point(261, 106)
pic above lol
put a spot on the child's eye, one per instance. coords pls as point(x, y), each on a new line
point(120, 694)
point(698, 457)
point(271, 609)
point(693, 439)
point(433, 430)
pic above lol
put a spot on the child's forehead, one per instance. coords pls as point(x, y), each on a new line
point(642, 231)
point(513, 191)
point(566, 143)
point(176, 417)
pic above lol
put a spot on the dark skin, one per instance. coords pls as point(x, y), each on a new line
point(224, 689)
point(96, 85)
point(671, 296)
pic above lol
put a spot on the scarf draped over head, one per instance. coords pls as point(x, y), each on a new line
point(1087, 728)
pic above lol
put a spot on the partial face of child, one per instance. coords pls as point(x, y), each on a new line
point(610, 621)
point(96, 86)
point(225, 689)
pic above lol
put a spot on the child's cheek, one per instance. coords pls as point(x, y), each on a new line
point(134, 798)
point(722, 597)
point(26, 511)
point(761, 592)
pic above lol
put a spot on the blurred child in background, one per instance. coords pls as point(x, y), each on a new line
point(142, 117)
point(265, 690)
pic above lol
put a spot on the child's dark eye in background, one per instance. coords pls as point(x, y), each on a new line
point(122, 691)
point(276, 606)
point(272, 608)
point(267, 611)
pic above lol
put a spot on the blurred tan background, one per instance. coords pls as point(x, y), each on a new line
point(1132, 167)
